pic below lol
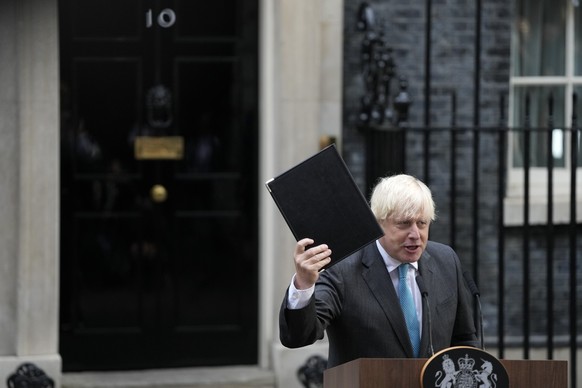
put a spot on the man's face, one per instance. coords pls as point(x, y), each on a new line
point(405, 239)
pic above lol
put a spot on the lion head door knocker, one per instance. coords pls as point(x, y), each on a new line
point(159, 107)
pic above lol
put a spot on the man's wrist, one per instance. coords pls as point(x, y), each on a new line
point(298, 298)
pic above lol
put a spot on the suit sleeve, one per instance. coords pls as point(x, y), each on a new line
point(464, 332)
point(298, 327)
point(302, 327)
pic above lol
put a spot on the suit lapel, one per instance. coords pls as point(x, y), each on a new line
point(378, 279)
point(426, 269)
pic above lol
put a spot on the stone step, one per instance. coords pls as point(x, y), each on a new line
point(214, 377)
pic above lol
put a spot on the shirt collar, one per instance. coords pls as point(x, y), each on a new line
point(389, 261)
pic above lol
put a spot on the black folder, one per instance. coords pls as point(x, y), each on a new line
point(319, 199)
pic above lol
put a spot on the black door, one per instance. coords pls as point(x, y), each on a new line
point(159, 183)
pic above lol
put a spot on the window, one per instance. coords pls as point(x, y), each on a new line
point(546, 60)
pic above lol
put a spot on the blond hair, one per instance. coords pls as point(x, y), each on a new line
point(402, 196)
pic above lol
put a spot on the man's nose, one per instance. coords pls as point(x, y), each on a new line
point(414, 232)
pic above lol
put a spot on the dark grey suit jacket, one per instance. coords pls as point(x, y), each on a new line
point(355, 302)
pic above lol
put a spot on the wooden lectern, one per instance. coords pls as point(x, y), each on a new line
point(405, 373)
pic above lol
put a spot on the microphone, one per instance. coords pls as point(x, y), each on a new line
point(477, 295)
point(424, 294)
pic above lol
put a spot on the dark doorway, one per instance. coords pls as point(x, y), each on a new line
point(159, 212)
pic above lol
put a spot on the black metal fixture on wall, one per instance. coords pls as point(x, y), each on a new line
point(383, 111)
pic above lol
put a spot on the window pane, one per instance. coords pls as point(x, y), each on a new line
point(578, 41)
point(539, 38)
point(535, 115)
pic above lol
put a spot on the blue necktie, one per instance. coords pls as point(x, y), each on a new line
point(408, 308)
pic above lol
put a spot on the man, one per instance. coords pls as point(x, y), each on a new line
point(356, 301)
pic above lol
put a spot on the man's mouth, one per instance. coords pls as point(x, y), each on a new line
point(411, 248)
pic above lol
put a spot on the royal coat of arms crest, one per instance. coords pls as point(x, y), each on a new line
point(463, 367)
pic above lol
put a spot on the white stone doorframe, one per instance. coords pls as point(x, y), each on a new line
point(301, 93)
point(29, 160)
